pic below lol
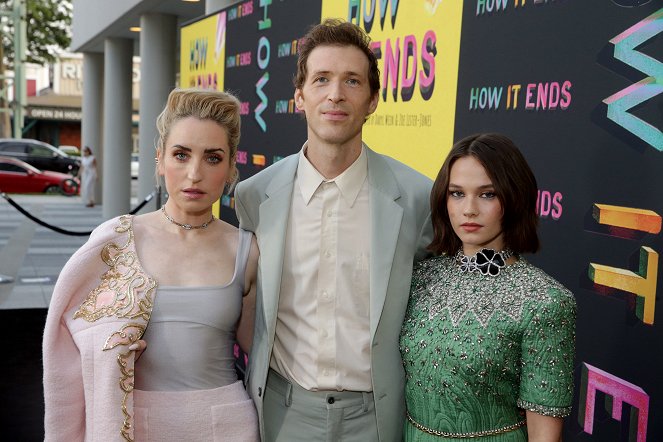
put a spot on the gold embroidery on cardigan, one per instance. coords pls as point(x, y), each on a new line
point(127, 386)
point(127, 335)
point(125, 291)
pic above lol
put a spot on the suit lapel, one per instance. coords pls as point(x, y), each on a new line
point(274, 213)
point(386, 216)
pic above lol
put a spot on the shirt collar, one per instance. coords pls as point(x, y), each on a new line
point(349, 182)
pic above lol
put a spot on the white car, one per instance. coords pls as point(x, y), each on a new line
point(72, 151)
point(134, 166)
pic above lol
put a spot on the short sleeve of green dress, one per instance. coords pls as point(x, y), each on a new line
point(479, 350)
point(546, 382)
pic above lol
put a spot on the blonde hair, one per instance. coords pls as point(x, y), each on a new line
point(220, 107)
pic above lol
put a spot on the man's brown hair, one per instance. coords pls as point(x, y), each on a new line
point(336, 32)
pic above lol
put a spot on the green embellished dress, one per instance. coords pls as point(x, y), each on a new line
point(479, 350)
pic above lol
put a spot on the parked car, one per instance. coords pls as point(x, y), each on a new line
point(134, 166)
point(17, 176)
point(41, 155)
point(72, 151)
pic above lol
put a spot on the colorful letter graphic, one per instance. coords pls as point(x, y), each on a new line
point(642, 284)
point(627, 217)
point(228, 201)
point(354, 9)
point(617, 392)
point(220, 41)
point(258, 160)
point(242, 157)
point(266, 22)
point(263, 101)
point(620, 103)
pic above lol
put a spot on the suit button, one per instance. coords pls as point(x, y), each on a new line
point(330, 400)
point(259, 391)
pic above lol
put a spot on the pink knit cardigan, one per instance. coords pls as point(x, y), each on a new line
point(101, 304)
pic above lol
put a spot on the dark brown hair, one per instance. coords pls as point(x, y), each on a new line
point(336, 32)
point(515, 187)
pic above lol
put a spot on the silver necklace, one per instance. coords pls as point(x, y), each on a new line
point(486, 261)
point(186, 226)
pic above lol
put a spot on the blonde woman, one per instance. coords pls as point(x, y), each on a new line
point(177, 279)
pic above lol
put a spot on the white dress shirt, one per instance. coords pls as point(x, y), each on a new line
point(323, 337)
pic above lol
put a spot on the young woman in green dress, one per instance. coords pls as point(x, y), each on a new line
point(489, 339)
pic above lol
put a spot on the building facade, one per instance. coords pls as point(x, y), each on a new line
point(109, 35)
point(53, 113)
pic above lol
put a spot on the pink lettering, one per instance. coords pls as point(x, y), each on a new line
point(566, 95)
point(409, 53)
point(528, 96)
point(621, 391)
point(391, 65)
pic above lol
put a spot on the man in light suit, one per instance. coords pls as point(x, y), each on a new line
point(339, 227)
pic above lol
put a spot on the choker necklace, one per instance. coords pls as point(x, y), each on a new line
point(486, 261)
point(186, 226)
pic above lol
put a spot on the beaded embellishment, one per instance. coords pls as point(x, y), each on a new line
point(469, 435)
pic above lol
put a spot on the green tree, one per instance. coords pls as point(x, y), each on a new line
point(48, 32)
point(49, 23)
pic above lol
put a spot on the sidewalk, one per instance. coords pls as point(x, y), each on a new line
point(33, 255)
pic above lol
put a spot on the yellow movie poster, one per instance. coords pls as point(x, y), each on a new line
point(202, 53)
point(417, 43)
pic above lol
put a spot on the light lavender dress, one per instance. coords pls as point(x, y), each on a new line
point(186, 383)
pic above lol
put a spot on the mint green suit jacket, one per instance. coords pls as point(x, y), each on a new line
point(400, 232)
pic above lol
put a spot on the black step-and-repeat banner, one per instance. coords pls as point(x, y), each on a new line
point(577, 84)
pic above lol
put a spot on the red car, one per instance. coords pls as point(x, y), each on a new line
point(17, 176)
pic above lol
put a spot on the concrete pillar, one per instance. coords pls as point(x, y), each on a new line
point(158, 48)
point(212, 6)
point(93, 102)
point(118, 54)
